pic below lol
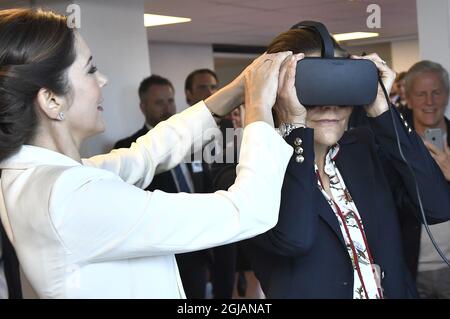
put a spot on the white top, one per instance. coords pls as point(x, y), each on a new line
point(429, 258)
point(90, 231)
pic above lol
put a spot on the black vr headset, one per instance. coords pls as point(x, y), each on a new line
point(329, 80)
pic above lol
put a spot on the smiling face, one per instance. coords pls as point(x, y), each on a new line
point(329, 123)
point(84, 111)
point(428, 99)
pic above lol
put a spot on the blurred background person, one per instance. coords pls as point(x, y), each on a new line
point(157, 103)
point(199, 85)
point(427, 95)
point(398, 97)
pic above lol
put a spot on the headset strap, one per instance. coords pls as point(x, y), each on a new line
point(327, 42)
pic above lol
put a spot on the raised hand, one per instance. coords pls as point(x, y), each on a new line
point(287, 106)
point(261, 86)
point(380, 105)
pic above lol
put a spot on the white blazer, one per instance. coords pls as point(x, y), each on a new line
point(90, 231)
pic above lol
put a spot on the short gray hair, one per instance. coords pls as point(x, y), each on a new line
point(422, 67)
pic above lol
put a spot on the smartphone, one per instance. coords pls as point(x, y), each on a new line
point(435, 137)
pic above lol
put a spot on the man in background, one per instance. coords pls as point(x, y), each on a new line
point(199, 85)
point(427, 96)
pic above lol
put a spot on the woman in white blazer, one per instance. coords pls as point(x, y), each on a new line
point(84, 228)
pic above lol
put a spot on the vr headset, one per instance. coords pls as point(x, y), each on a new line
point(330, 80)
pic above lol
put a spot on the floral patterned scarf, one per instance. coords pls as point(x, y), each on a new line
point(366, 284)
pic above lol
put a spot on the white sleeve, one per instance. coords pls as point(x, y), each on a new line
point(161, 149)
point(99, 217)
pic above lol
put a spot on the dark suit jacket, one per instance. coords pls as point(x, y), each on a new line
point(304, 256)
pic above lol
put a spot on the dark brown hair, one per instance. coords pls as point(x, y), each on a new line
point(148, 82)
point(190, 78)
point(301, 41)
point(36, 49)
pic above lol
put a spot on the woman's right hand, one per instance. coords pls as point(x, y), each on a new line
point(261, 86)
point(288, 107)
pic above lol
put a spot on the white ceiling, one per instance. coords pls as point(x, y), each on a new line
point(257, 22)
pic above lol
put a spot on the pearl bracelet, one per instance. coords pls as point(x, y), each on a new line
point(286, 128)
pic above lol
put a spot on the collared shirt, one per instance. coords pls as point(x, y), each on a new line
point(365, 285)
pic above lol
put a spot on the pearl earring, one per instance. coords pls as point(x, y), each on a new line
point(61, 116)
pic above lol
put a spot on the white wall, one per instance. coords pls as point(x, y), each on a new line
point(115, 33)
point(434, 32)
point(404, 54)
point(176, 61)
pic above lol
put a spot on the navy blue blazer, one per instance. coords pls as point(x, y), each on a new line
point(304, 255)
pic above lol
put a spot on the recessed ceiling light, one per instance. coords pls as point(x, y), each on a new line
point(151, 20)
point(355, 36)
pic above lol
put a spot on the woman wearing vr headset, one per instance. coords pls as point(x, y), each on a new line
point(84, 228)
point(338, 235)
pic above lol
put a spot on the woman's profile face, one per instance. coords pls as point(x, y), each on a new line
point(329, 123)
point(84, 112)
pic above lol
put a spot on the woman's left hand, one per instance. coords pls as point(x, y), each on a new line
point(288, 107)
point(380, 105)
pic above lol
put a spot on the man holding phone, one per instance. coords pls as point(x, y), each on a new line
point(427, 95)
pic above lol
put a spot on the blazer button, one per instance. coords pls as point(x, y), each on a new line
point(299, 150)
point(298, 141)
point(299, 159)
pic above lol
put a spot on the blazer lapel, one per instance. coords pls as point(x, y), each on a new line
point(354, 164)
point(328, 215)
